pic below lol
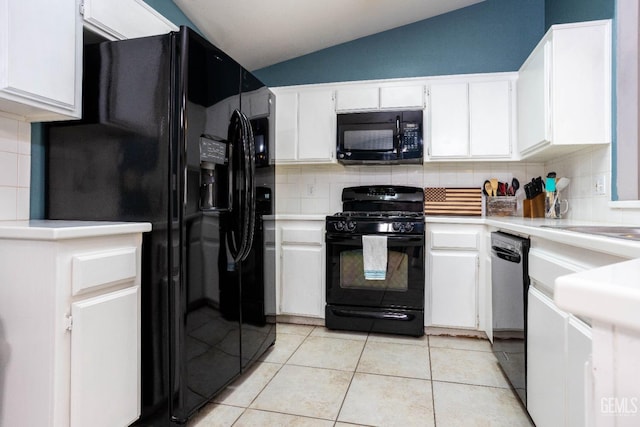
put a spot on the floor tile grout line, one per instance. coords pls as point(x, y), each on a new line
point(353, 374)
point(282, 413)
point(433, 394)
point(475, 385)
point(268, 382)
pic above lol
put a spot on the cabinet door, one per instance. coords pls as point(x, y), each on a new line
point(302, 281)
point(105, 359)
point(402, 97)
point(533, 99)
point(578, 353)
point(125, 19)
point(286, 126)
point(449, 106)
point(545, 360)
point(357, 98)
point(316, 126)
point(580, 73)
point(490, 119)
point(454, 278)
point(41, 57)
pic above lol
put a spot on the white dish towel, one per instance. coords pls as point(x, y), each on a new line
point(374, 254)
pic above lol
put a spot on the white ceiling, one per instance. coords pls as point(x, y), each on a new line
point(259, 33)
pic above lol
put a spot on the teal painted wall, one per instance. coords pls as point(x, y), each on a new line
point(563, 11)
point(492, 36)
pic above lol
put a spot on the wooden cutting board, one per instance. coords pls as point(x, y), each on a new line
point(452, 201)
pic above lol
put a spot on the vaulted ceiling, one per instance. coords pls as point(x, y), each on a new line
point(259, 33)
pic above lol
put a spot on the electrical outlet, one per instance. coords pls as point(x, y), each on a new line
point(600, 188)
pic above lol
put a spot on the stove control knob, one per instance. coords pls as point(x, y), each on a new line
point(398, 226)
point(402, 227)
point(348, 226)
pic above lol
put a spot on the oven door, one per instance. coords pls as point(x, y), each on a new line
point(403, 286)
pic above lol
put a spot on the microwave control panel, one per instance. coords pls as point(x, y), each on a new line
point(411, 137)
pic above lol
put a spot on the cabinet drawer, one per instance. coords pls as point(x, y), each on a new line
point(303, 236)
point(544, 269)
point(454, 240)
point(93, 270)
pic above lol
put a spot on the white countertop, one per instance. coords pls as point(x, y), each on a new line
point(610, 294)
point(537, 227)
point(57, 230)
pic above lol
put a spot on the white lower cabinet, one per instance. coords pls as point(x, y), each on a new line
point(70, 342)
point(454, 278)
point(545, 360)
point(453, 275)
point(558, 347)
point(578, 354)
point(105, 339)
point(302, 268)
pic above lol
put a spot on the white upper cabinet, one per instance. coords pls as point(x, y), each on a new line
point(357, 98)
point(380, 96)
point(490, 129)
point(40, 59)
point(564, 91)
point(305, 125)
point(472, 119)
point(124, 19)
point(449, 124)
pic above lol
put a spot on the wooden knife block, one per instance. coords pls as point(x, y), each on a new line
point(533, 208)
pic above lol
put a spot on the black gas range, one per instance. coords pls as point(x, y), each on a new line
point(393, 302)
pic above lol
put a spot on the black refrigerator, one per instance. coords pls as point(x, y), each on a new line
point(176, 133)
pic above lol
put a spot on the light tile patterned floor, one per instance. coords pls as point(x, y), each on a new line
point(317, 377)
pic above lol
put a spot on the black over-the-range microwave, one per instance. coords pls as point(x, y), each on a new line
point(381, 137)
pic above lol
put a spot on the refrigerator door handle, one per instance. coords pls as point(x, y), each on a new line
point(250, 171)
point(241, 245)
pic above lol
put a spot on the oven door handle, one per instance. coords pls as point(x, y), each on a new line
point(381, 315)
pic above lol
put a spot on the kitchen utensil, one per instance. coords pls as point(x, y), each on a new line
point(494, 186)
point(538, 186)
point(528, 190)
point(562, 183)
point(502, 188)
point(515, 185)
point(486, 188)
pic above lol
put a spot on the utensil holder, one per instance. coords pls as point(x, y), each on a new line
point(533, 208)
point(502, 206)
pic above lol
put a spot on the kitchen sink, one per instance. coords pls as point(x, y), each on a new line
point(621, 232)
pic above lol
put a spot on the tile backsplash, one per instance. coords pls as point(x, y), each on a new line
point(584, 168)
point(316, 189)
point(15, 169)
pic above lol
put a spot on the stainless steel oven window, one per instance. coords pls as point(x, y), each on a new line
point(379, 140)
point(352, 272)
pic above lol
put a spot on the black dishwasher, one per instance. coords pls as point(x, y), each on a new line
point(510, 284)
